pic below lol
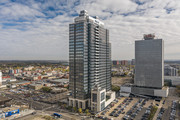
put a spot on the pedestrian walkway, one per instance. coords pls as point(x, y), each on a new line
point(158, 110)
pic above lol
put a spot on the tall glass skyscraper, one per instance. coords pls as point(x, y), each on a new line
point(89, 58)
point(149, 69)
point(149, 57)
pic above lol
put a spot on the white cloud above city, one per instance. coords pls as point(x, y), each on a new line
point(38, 29)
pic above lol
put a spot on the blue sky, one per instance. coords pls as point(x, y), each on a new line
point(38, 29)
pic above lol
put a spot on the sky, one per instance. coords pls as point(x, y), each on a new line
point(38, 29)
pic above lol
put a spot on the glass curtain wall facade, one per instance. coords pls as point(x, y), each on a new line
point(89, 56)
point(149, 57)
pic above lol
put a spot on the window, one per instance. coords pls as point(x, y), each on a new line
point(102, 105)
point(102, 96)
point(80, 104)
point(94, 97)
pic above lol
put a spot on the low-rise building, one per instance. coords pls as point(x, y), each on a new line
point(170, 71)
point(9, 80)
point(29, 68)
point(128, 89)
point(23, 83)
point(115, 62)
point(33, 78)
point(59, 81)
point(133, 62)
point(124, 62)
point(173, 80)
point(35, 86)
point(3, 100)
point(100, 98)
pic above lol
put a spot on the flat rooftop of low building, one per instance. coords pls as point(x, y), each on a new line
point(132, 85)
point(172, 78)
point(35, 84)
point(60, 80)
point(127, 85)
point(110, 92)
point(4, 83)
point(23, 82)
point(9, 79)
point(2, 99)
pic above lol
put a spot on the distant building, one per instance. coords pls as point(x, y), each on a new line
point(29, 68)
point(11, 71)
point(149, 67)
point(6, 77)
point(0, 78)
point(133, 62)
point(124, 62)
point(7, 80)
point(33, 78)
point(170, 71)
point(3, 100)
point(35, 86)
point(14, 71)
point(115, 62)
point(23, 83)
point(173, 80)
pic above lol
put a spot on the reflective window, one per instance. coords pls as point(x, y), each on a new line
point(94, 97)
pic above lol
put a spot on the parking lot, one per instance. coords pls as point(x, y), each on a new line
point(125, 108)
point(134, 108)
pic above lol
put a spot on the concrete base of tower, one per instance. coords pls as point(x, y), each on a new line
point(84, 104)
point(100, 99)
point(154, 92)
point(151, 91)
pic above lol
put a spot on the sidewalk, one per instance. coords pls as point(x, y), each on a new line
point(158, 110)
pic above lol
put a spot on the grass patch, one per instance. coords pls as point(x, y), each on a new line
point(46, 117)
point(41, 117)
point(115, 88)
point(153, 111)
point(178, 90)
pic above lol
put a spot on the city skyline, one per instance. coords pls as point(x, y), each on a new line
point(39, 30)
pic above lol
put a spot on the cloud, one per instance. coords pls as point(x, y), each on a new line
point(15, 11)
point(37, 29)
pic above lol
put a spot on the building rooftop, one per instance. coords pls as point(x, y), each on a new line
point(23, 82)
point(172, 77)
point(60, 80)
point(84, 16)
point(35, 84)
point(149, 36)
point(83, 13)
point(2, 99)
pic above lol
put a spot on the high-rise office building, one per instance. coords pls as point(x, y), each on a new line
point(149, 68)
point(89, 59)
point(149, 60)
